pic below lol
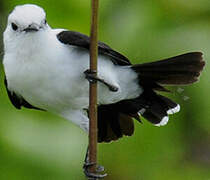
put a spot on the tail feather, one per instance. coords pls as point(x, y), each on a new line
point(112, 123)
point(179, 70)
point(158, 108)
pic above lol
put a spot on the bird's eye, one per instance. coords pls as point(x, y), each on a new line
point(45, 21)
point(14, 26)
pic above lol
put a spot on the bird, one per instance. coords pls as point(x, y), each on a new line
point(48, 69)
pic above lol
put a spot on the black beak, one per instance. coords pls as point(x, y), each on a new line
point(30, 29)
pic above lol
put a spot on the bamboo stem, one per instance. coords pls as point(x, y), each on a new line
point(93, 86)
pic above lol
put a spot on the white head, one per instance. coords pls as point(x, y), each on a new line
point(25, 21)
point(27, 18)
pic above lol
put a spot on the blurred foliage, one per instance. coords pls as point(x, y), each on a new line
point(40, 146)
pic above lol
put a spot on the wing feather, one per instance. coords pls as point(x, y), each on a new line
point(83, 41)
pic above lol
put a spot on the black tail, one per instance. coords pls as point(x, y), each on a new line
point(115, 120)
point(179, 70)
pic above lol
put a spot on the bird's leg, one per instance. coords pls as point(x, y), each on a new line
point(92, 78)
point(87, 164)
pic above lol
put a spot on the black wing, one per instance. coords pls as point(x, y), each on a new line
point(78, 39)
point(18, 101)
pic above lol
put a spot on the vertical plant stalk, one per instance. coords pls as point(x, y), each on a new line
point(93, 128)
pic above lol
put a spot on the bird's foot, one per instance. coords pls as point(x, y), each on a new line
point(90, 76)
point(93, 176)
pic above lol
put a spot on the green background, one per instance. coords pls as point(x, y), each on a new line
point(41, 146)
